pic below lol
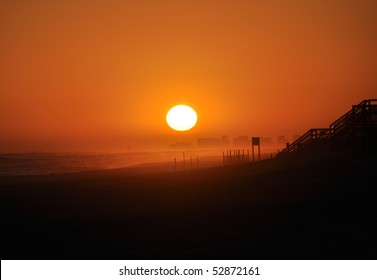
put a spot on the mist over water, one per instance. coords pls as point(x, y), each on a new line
point(13, 164)
point(56, 163)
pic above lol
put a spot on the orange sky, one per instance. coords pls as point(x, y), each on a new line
point(103, 74)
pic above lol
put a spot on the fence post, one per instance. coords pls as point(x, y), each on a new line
point(184, 161)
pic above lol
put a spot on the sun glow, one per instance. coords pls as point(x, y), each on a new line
point(181, 118)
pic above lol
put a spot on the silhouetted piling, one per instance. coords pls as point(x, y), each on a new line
point(236, 156)
point(184, 161)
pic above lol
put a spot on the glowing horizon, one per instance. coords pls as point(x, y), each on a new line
point(77, 76)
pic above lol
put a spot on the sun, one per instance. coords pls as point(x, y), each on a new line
point(181, 118)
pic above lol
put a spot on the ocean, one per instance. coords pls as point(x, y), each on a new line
point(56, 163)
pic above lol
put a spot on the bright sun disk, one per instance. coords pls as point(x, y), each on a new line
point(181, 118)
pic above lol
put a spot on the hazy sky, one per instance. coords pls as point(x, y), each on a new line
point(103, 74)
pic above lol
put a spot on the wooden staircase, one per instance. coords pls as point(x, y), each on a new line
point(356, 130)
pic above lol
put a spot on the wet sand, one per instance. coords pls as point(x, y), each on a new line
point(323, 208)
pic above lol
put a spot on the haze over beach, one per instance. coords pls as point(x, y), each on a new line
point(188, 129)
point(101, 76)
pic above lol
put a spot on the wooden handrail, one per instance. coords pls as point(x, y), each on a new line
point(335, 127)
point(355, 109)
point(310, 136)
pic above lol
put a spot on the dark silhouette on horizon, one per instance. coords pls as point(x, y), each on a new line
point(355, 131)
point(291, 207)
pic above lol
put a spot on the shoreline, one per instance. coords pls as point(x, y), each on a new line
point(273, 209)
point(60, 163)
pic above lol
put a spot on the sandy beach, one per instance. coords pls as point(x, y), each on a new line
point(324, 208)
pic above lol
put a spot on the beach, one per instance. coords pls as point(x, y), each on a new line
point(272, 209)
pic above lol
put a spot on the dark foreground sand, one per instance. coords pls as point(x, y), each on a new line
point(325, 208)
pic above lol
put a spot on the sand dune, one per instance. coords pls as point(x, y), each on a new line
point(324, 208)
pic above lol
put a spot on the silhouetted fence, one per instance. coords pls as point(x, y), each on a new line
point(186, 164)
point(236, 157)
